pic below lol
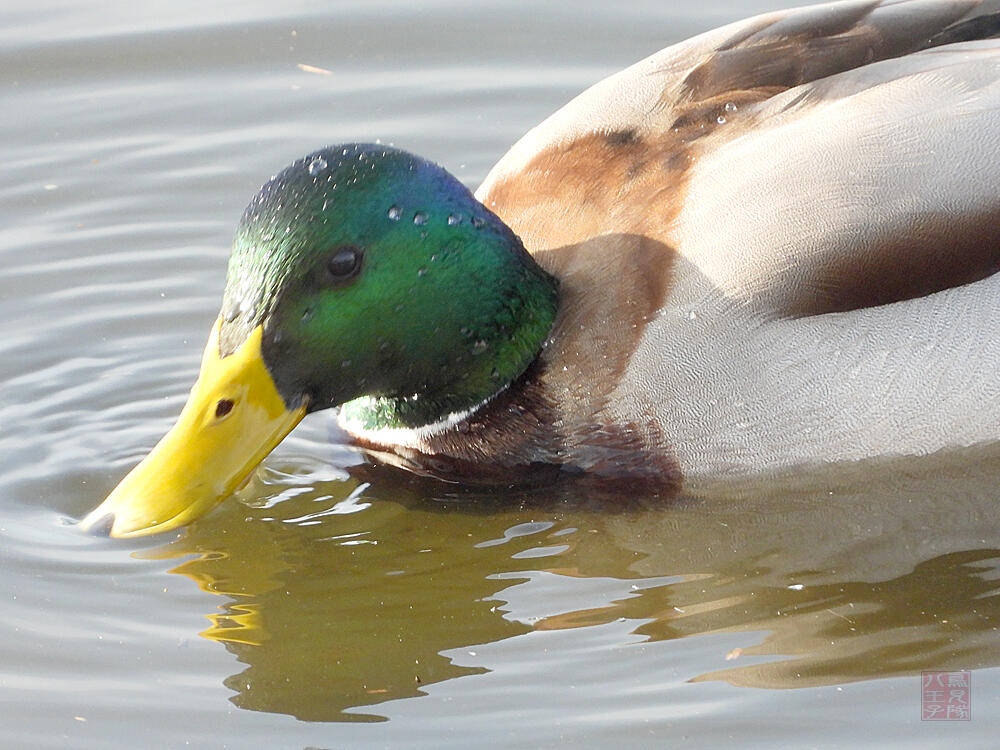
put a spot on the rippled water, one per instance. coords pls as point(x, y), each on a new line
point(331, 605)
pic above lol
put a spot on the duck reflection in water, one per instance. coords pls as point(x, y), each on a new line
point(340, 595)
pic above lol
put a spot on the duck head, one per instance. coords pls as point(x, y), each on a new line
point(361, 276)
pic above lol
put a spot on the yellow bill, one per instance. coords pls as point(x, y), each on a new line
point(233, 418)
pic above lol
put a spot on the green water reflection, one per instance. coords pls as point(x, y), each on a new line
point(346, 594)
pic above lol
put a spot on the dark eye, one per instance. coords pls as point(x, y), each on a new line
point(344, 263)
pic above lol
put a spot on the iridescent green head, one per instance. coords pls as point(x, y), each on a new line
point(380, 280)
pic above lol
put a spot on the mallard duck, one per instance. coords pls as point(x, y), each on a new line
point(768, 247)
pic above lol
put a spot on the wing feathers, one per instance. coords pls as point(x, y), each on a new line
point(812, 43)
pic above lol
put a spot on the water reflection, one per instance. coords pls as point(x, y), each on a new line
point(345, 594)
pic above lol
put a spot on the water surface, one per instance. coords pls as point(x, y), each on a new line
point(330, 605)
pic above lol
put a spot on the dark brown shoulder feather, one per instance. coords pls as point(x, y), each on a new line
point(807, 44)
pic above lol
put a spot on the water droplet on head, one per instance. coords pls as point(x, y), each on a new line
point(394, 213)
point(477, 222)
point(307, 313)
point(419, 218)
point(421, 271)
point(479, 347)
point(721, 120)
point(453, 220)
point(317, 165)
point(730, 107)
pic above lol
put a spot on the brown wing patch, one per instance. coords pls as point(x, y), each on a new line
point(934, 252)
point(813, 43)
point(625, 182)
